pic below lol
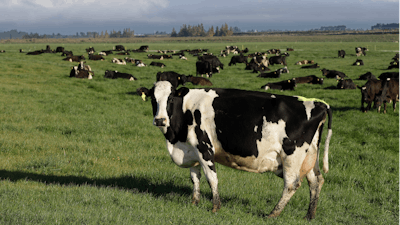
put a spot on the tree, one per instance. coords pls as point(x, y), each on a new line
point(210, 31)
point(173, 33)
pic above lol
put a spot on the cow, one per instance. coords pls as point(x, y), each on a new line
point(77, 72)
point(393, 65)
point(256, 67)
point(368, 92)
point(281, 85)
point(312, 79)
point(174, 78)
point(75, 58)
point(289, 49)
point(361, 51)
point(341, 53)
point(346, 84)
point(116, 75)
point(95, 57)
point(214, 62)
point(333, 74)
point(119, 48)
point(199, 81)
point(123, 53)
point(182, 57)
point(389, 93)
point(21, 50)
point(118, 61)
point(162, 65)
point(144, 48)
point(151, 56)
point(358, 62)
point(391, 75)
point(67, 53)
point(59, 49)
point(106, 53)
point(284, 70)
point(204, 67)
point(237, 59)
point(314, 66)
point(367, 76)
point(279, 59)
point(275, 74)
point(245, 130)
point(37, 52)
point(90, 50)
point(2, 51)
point(274, 51)
point(304, 62)
point(260, 60)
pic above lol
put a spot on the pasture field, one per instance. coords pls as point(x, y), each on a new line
point(76, 151)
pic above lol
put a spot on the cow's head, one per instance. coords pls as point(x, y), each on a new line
point(168, 112)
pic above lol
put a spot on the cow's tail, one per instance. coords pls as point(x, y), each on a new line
point(328, 139)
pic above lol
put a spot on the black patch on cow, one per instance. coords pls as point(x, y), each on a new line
point(204, 145)
point(288, 146)
point(178, 129)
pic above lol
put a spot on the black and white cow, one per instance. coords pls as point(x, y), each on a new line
point(311, 79)
point(361, 51)
point(313, 66)
point(358, 62)
point(333, 74)
point(116, 75)
point(275, 74)
point(281, 85)
point(162, 65)
point(238, 59)
point(279, 59)
point(245, 130)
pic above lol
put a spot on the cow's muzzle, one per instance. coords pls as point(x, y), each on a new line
point(159, 122)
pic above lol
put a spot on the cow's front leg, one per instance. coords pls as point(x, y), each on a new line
point(195, 174)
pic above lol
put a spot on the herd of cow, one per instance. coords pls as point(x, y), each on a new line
point(246, 130)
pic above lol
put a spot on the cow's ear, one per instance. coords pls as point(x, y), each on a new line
point(181, 92)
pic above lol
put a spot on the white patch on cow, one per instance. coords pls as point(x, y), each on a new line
point(309, 105)
point(266, 87)
point(273, 96)
point(364, 88)
point(183, 154)
point(255, 129)
point(162, 90)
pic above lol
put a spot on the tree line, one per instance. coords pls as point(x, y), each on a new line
point(126, 33)
point(199, 31)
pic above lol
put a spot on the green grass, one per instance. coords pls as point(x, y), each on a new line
point(78, 151)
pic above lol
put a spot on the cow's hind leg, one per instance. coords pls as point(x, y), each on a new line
point(195, 174)
point(315, 182)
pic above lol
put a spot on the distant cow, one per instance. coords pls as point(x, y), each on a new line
point(281, 85)
point(341, 53)
point(368, 93)
point(314, 66)
point(144, 48)
point(95, 57)
point(238, 59)
point(199, 81)
point(60, 49)
point(174, 78)
point(394, 65)
point(279, 59)
point(78, 72)
point(304, 62)
point(123, 53)
point(118, 61)
point(289, 49)
point(367, 76)
point(74, 58)
point(389, 93)
point(90, 50)
point(116, 75)
point(358, 62)
point(119, 48)
point(162, 65)
point(361, 51)
point(346, 84)
point(106, 53)
point(275, 74)
point(246, 130)
point(151, 56)
point(312, 79)
point(333, 74)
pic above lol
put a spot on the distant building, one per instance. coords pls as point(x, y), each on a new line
point(334, 28)
point(388, 26)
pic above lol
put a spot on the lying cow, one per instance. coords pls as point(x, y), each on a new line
point(116, 75)
point(389, 93)
point(199, 81)
point(74, 58)
point(346, 84)
point(246, 130)
point(312, 79)
point(367, 76)
point(162, 65)
point(279, 59)
point(275, 74)
point(304, 62)
point(118, 61)
point(314, 66)
point(95, 57)
point(333, 74)
point(358, 62)
point(281, 85)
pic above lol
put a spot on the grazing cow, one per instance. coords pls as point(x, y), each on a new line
point(118, 61)
point(304, 62)
point(358, 62)
point(60, 49)
point(237, 59)
point(245, 130)
point(281, 85)
point(314, 66)
point(389, 93)
point(346, 84)
point(367, 76)
point(275, 74)
point(204, 67)
point(75, 58)
point(333, 74)
point(361, 51)
point(279, 59)
point(391, 75)
point(199, 81)
point(341, 53)
point(116, 74)
point(95, 57)
point(174, 78)
point(368, 92)
point(312, 79)
point(214, 62)
point(119, 48)
point(162, 65)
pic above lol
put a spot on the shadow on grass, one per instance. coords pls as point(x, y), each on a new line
point(132, 183)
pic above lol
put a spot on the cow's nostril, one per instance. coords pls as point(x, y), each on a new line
point(159, 122)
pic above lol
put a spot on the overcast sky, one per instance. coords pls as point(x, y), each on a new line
point(148, 16)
